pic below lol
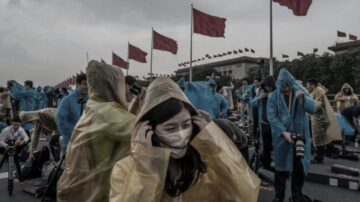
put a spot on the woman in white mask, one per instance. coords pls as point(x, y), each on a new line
point(178, 155)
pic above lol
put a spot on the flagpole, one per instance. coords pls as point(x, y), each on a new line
point(271, 41)
point(128, 63)
point(191, 41)
point(151, 52)
point(87, 58)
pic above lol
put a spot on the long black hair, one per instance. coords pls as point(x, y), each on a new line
point(190, 166)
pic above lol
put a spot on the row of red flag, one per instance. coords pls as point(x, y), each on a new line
point(299, 53)
point(203, 24)
point(343, 34)
point(208, 56)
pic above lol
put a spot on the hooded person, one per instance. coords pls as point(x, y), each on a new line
point(324, 126)
point(287, 110)
point(201, 97)
point(100, 138)
point(222, 105)
point(345, 98)
point(268, 85)
point(43, 119)
point(177, 155)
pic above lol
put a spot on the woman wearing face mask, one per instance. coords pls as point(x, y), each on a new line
point(177, 155)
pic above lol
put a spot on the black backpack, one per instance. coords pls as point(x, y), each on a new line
point(32, 167)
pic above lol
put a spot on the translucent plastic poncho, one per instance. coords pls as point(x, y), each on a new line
point(141, 176)
point(100, 138)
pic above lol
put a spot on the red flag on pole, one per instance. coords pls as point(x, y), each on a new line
point(118, 61)
point(208, 25)
point(341, 34)
point(252, 50)
point(352, 37)
point(240, 51)
point(285, 56)
point(299, 7)
point(246, 50)
point(315, 50)
point(137, 54)
point(164, 43)
point(300, 54)
point(235, 52)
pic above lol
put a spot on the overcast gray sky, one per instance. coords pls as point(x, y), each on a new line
point(46, 40)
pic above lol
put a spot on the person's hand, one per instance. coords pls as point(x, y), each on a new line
point(299, 94)
point(287, 137)
point(205, 115)
point(200, 121)
point(18, 143)
point(142, 133)
point(264, 95)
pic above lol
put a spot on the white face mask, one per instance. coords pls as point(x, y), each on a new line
point(177, 141)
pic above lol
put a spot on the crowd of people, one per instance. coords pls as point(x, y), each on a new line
point(173, 141)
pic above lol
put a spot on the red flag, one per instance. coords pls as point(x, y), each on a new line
point(352, 37)
point(315, 50)
point(300, 54)
point(235, 52)
point(246, 50)
point(252, 50)
point(229, 52)
point(341, 34)
point(103, 61)
point(164, 43)
point(118, 61)
point(240, 51)
point(299, 7)
point(208, 25)
point(215, 56)
point(137, 54)
point(285, 56)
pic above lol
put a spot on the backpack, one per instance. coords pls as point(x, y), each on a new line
point(32, 167)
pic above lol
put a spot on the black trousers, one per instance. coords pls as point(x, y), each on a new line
point(267, 145)
point(297, 180)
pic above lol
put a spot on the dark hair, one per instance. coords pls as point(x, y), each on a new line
point(258, 79)
point(80, 78)
point(130, 80)
point(191, 165)
point(16, 120)
point(29, 83)
point(312, 82)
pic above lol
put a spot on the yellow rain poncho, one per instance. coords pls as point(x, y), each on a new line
point(100, 138)
point(44, 118)
point(141, 176)
point(324, 125)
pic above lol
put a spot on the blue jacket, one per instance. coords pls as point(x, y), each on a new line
point(41, 99)
point(222, 105)
point(282, 120)
point(68, 114)
point(26, 97)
